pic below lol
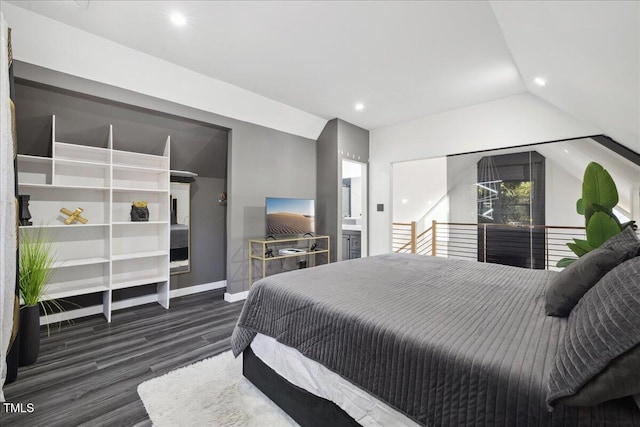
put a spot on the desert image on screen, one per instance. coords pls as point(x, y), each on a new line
point(290, 216)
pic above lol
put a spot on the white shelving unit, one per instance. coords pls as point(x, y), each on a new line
point(109, 252)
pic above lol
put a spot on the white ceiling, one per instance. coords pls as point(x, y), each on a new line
point(589, 51)
point(403, 60)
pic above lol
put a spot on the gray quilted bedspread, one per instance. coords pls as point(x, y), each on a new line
point(447, 342)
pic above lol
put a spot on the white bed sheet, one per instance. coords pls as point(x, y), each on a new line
point(310, 375)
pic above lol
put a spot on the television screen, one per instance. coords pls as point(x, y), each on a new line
point(290, 216)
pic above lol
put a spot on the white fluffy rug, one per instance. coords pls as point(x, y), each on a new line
point(212, 392)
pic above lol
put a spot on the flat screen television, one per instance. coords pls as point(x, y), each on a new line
point(290, 216)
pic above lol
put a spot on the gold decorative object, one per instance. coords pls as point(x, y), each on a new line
point(73, 216)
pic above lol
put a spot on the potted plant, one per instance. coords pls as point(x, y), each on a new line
point(35, 261)
point(599, 197)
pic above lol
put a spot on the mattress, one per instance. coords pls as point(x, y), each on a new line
point(311, 376)
point(179, 236)
point(446, 342)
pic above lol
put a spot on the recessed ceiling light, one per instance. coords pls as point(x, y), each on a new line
point(404, 201)
point(359, 106)
point(178, 19)
point(540, 81)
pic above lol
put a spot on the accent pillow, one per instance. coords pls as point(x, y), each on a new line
point(621, 378)
point(568, 286)
point(597, 359)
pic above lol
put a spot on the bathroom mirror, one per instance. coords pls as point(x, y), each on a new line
point(180, 207)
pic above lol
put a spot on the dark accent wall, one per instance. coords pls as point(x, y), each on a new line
point(260, 162)
point(85, 120)
point(208, 235)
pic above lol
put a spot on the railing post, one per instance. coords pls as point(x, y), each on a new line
point(484, 243)
point(434, 223)
point(413, 237)
point(546, 244)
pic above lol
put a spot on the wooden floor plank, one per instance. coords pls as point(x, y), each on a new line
point(88, 372)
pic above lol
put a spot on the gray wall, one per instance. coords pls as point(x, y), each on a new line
point(338, 140)
point(208, 235)
point(264, 163)
point(353, 142)
point(328, 186)
point(261, 162)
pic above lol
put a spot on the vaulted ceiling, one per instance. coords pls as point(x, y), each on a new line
point(401, 60)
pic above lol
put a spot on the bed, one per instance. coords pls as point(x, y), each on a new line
point(179, 242)
point(442, 342)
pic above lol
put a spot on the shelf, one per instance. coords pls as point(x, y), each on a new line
point(74, 225)
point(139, 222)
point(292, 239)
point(64, 290)
point(35, 169)
point(34, 159)
point(183, 173)
point(126, 158)
point(258, 248)
point(81, 163)
point(138, 255)
point(139, 190)
point(81, 173)
point(141, 281)
point(110, 251)
point(321, 251)
point(121, 167)
point(61, 187)
point(82, 153)
point(78, 262)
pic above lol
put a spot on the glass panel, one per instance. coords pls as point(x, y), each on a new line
point(514, 206)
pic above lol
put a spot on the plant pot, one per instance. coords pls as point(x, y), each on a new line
point(29, 335)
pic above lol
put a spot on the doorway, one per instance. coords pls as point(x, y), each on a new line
point(353, 209)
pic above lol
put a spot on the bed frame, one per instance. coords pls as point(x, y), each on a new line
point(305, 408)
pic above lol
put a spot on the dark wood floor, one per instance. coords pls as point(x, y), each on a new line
point(88, 372)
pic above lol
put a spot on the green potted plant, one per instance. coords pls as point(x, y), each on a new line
point(36, 258)
point(599, 197)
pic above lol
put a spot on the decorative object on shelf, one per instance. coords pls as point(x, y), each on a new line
point(37, 255)
point(23, 204)
point(73, 216)
point(599, 197)
point(139, 212)
point(222, 198)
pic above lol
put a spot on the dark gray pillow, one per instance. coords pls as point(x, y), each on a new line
point(621, 378)
point(567, 287)
point(598, 357)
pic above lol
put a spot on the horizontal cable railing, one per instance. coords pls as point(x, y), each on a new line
point(535, 246)
point(402, 237)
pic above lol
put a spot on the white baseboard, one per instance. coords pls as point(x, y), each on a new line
point(70, 315)
point(130, 302)
point(238, 296)
point(190, 290)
